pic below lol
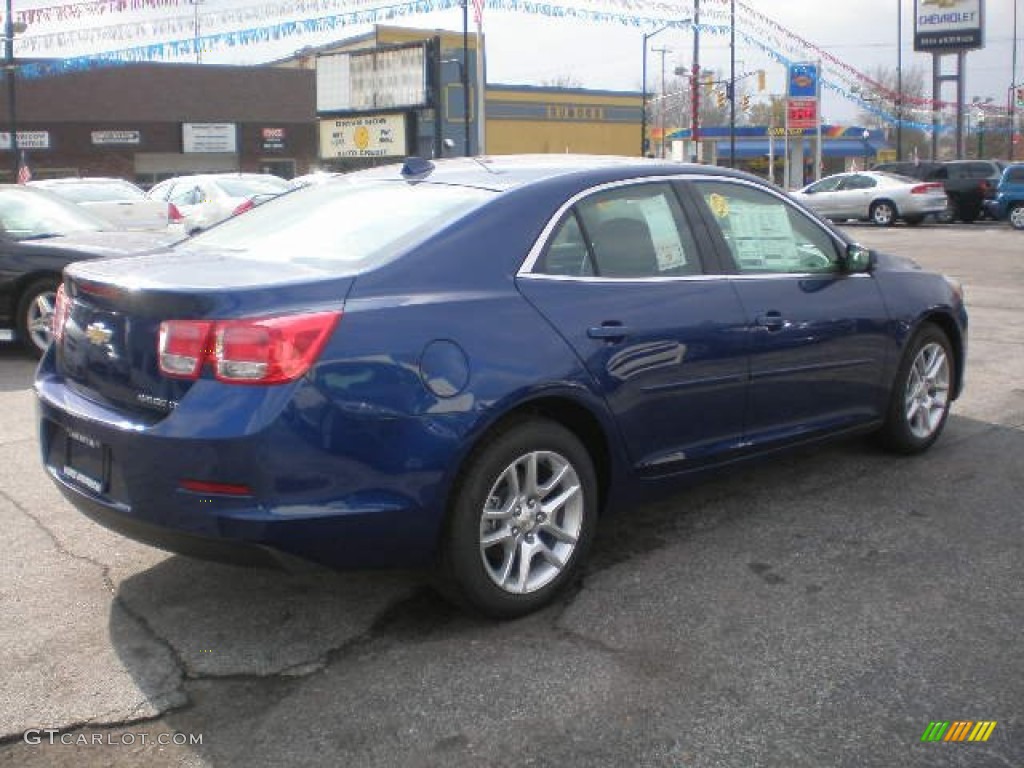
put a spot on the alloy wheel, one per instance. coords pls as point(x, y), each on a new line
point(531, 522)
point(927, 394)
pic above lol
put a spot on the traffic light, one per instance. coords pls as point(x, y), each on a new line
point(709, 82)
point(1020, 97)
point(746, 102)
point(721, 98)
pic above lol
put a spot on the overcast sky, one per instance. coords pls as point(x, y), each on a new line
point(532, 49)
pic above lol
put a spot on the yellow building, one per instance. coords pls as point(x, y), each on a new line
point(531, 119)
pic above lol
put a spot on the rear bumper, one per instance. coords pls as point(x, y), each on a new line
point(336, 498)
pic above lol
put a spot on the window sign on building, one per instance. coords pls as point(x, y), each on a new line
point(26, 140)
point(116, 137)
point(209, 137)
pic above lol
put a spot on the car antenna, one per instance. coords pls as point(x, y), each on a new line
point(417, 167)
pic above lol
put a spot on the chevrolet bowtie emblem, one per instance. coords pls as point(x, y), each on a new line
point(98, 334)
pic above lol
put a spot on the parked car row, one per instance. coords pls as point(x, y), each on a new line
point(969, 184)
point(48, 224)
point(882, 198)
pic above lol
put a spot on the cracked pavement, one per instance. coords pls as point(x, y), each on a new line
point(816, 609)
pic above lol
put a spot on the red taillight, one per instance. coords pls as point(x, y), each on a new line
point(924, 189)
point(184, 347)
point(173, 214)
point(61, 309)
point(268, 350)
point(248, 205)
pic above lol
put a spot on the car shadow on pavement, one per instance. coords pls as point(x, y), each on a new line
point(239, 642)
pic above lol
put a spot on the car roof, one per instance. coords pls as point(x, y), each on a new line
point(79, 180)
point(502, 172)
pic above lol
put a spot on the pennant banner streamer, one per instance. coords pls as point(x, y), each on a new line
point(270, 22)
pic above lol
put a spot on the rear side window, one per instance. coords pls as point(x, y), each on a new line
point(634, 231)
point(1015, 174)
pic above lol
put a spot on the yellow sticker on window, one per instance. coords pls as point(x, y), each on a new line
point(719, 205)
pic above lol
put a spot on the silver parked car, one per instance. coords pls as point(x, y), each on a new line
point(873, 196)
point(117, 201)
point(206, 199)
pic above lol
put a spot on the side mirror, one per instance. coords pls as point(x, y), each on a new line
point(858, 258)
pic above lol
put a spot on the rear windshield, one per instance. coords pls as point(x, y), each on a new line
point(351, 225)
point(248, 186)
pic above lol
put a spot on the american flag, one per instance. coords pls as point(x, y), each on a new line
point(24, 174)
point(478, 12)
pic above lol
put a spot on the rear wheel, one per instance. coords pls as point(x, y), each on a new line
point(1016, 216)
point(882, 213)
point(35, 315)
point(920, 398)
point(521, 520)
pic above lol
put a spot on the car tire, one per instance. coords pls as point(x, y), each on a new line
point(913, 221)
point(969, 212)
point(950, 213)
point(882, 213)
point(520, 520)
point(921, 393)
point(35, 315)
point(1015, 215)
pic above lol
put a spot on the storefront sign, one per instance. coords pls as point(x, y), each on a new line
point(273, 138)
point(370, 136)
point(26, 140)
point(209, 137)
point(116, 137)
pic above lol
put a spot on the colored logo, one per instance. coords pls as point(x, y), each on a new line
point(98, 334)
point(803, 81)
point(362, 137)
point(958, 730)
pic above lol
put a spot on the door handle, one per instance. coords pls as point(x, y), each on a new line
point(609, 331)
point(770, 320)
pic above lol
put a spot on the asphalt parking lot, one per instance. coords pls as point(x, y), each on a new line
point(816, 610)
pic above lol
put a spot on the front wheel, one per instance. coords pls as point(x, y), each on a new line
point(1016, 216)
point(882, 213)
point(35, 315)
point(521, 520)
point(920, 399)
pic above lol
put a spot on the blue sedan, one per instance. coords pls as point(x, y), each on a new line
point(461, 364)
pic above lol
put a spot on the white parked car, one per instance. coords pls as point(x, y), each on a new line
point(206, 199)
point(874, 196)
point(117, 201)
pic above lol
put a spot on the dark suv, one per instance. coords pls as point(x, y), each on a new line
point(969, 183)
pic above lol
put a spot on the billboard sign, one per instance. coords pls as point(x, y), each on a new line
point(379, 78)
point(367, 136)
point(948, 25)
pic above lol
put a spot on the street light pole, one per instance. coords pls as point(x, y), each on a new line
point(1013, 85)
point(866, 135)
point(643, 100)
point(661, 112)
point(465, 76)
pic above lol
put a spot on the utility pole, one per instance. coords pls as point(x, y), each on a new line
point(12, 100)
point(732, 83)
point(899, 79)
point(1013, 86)
point(643, 103)
point(661, 112)
point(465, 75)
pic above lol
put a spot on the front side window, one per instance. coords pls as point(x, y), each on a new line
point(766, 234)
point(633, 231)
